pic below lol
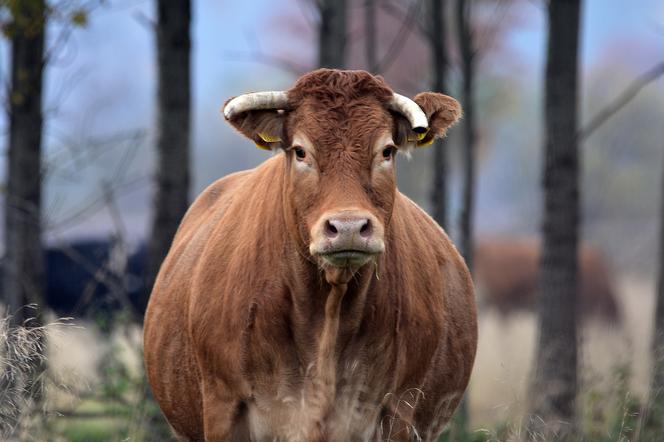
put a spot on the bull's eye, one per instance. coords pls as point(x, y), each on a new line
point(300, 154)
point(388, 152)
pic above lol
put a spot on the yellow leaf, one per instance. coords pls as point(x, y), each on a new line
point(79, 18)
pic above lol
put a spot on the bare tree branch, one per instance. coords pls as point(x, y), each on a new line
point(398, 13)
point(257, 56)
point(484, 42)
point(142, 19)
point(309, 12)
point(400, 38)
point(62, 13)
point(621, 101)
point(96, 204)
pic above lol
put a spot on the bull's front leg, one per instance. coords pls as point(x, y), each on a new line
point(224, 414)
point(396, 424)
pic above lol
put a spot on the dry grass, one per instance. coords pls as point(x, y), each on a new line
point(60, 382)
point(614, 367)
point(23, 356)
point(614, 361)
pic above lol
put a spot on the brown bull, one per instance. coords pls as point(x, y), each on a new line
point(307, 299)
point(506, 271)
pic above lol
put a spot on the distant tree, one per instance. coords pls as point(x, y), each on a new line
point(173, 127)
point(332, 33)
point(370, 35)
point(467, 52)
point(554, 385)
point(439, 64)
point(467, 61)
point(656, 416)
point(23, 280)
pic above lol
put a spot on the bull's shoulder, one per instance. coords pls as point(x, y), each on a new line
point(433, 265)
point(422, 231)
point(195, 231)
point(439, 297)
point(216, 195)
point(243, 190)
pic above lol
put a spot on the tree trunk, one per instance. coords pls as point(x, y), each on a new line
point(555, 381)
point(332, 34)
point(467, 53)
point(370, 35)
point(23, 281)
point(656, 416)
point(173, 127)
point(24, 264)
point(438, 84)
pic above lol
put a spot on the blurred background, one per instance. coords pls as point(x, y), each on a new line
point(98, 150)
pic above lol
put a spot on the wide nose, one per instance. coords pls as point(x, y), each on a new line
point(347, 228)
point(345, 235)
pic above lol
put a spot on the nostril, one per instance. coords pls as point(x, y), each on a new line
point(366, 229)
point(330, 230)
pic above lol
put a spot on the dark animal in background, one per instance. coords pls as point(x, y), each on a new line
point(308, 299)
point(73, 287)
point(506, 276)
point(88, 278)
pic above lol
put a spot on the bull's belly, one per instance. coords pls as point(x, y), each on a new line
point(292, 418)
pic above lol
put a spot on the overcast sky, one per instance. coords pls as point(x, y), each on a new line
point(101, 90)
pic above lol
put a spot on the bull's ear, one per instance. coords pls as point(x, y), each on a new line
point(442, 112)
point(263, 127)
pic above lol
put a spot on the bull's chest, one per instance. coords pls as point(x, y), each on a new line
point(330, 378)
point(296, 406)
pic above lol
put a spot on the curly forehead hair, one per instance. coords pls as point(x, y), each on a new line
point(330, 86)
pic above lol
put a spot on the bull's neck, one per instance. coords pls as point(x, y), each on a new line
point(317, 304)
point(309, 288)
point(326, 314)
point(326, 319)
point(315, 299)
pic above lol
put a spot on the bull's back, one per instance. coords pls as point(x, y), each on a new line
point(169, 356)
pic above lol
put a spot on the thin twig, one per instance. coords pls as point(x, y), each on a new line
point(268, 60)
point(623, 99)
point(400, 39)
point(398, 13)
point(484, 42)
point(146, 22)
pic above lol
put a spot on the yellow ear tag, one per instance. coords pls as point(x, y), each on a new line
point(426, 143)
point(267, 139)
point(262, 146)
point(416, 136)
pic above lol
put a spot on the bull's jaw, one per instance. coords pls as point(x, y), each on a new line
point(344, 269)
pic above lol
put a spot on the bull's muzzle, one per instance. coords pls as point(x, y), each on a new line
point(348, 238)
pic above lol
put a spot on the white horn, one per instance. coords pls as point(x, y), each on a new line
point(409, 109)
point(256, 101)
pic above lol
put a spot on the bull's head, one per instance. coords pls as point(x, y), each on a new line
point(340, 131)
